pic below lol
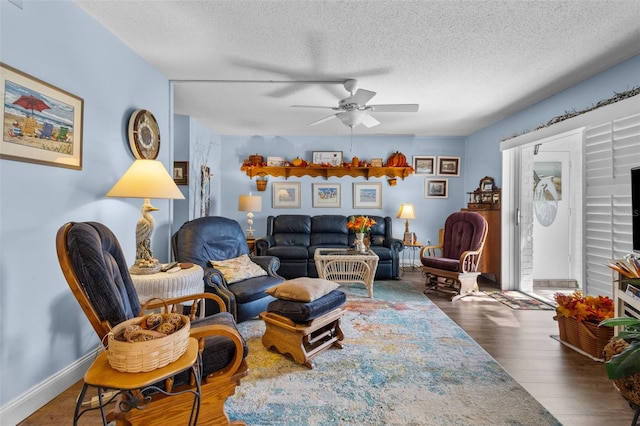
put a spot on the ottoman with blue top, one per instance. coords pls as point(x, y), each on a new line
point(304, 320)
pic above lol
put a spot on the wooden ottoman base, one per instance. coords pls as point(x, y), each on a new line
point(302, 341)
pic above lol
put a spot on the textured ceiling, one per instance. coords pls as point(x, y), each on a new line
point(466, 63)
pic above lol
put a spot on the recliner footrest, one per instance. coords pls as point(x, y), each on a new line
point(314, 328)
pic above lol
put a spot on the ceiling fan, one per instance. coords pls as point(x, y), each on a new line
point(353, 111)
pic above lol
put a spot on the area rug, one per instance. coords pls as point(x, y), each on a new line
point(518, 300)
point(404, 362)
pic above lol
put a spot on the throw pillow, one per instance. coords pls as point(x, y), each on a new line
point(302, 289)
point(238, 269)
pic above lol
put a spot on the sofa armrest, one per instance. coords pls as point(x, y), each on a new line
point(214, 277)
point(394, 244)
point(263, 244)
point(269, 263)
point(215, 283)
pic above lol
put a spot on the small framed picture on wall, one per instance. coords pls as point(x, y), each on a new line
point(181, 172)
point(326, 195)
point(436, 188)
point(286, 195)
point(367, 195)
point(424, 165)
point(449, 166)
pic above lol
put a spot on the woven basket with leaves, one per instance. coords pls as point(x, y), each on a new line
point(152, 349)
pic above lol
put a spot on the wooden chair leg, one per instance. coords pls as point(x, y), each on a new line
point(468, 285)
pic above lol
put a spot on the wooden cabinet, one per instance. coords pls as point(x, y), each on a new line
point(490, 262)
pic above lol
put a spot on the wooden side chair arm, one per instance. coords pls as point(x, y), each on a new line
point(200, 333)
point(195, 298)
point(469, 261)
point(431, 251)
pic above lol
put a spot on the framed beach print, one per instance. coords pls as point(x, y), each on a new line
point(367, 195)
point(286, 195)
point(326, 195)
point(424, 165)
point(41, 123)
point(436, 188)
point(449, 166)
point(334, 158)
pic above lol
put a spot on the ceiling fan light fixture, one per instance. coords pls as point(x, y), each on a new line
point(351, 118)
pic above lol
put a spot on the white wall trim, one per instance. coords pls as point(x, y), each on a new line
point(35, 398)
point(600, 115)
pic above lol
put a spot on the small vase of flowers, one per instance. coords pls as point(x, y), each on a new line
point(360, 225)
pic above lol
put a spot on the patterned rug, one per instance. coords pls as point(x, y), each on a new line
point(404, 362)
point(518, 300)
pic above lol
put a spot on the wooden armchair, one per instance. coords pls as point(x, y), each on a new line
point(96, 271)
point(452, 265)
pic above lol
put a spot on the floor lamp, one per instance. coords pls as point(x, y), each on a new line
point(145, 179)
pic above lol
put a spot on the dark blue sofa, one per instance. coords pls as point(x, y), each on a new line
point(294, 238)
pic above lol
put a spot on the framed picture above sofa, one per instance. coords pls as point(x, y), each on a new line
point(286, 195)
point(367, 195)
point(326, 195)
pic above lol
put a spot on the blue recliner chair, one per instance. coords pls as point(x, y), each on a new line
point(219, 238)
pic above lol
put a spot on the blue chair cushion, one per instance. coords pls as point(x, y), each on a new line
point(301, 312)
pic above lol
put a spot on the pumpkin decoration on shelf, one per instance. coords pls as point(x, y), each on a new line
point(397, 159)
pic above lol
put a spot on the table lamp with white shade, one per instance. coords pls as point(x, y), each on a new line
point(407, 212)
point(250, 203)
point(145, 179)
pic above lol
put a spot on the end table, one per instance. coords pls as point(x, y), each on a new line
point(164, 285)
point(409, 257)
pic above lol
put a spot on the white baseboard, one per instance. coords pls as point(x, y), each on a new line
point(31, 401)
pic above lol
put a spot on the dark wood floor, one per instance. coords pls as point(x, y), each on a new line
point(571, 386)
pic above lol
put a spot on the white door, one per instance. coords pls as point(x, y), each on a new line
point(552, 224)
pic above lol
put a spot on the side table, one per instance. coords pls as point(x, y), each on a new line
point(347, 266)
point(251, 243)
point(409, 257)
point(164, 285)
point(136, 386)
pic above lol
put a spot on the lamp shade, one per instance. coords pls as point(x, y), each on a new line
point(146, 179)
point(406, 211)
point(250, 203)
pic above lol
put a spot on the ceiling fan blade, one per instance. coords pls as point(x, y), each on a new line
point(361, 97)
point(394, 108)
point(314, 106)
point(322, 120)
point(369, 121)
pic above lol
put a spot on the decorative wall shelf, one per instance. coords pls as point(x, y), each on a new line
point(327, 172)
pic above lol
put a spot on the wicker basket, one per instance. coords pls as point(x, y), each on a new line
point(568, 330)
point(586, 336)
point(593, 338)
point(629, 387)
point(136, 357)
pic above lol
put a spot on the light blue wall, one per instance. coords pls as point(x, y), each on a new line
point(431, 212)
point(42, 329)
point(483, 146)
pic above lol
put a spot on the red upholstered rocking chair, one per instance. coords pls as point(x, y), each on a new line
point(452, 265)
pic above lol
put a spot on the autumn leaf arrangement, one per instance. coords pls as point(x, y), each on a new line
point(583, 308)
